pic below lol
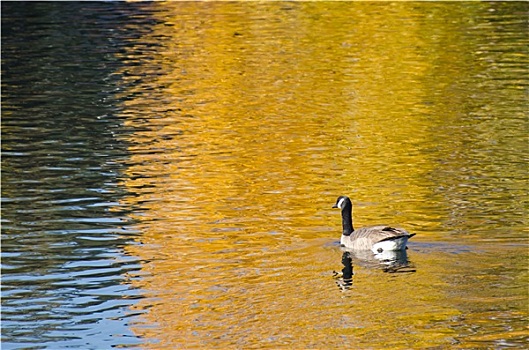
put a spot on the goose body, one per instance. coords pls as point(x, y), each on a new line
point(375, 238)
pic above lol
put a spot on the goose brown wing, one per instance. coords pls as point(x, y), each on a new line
point(380, 233)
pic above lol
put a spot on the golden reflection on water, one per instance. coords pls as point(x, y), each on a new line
point(251, 119)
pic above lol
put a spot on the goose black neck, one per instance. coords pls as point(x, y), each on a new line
point(347, 220)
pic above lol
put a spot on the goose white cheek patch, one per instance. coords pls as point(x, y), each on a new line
point(340, 202)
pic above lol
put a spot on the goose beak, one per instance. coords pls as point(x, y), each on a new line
point(335, 206)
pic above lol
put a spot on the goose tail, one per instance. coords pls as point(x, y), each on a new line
point(391, 243)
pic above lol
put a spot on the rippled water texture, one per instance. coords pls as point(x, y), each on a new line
point(168, 172)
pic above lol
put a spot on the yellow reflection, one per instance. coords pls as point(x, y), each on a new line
point(249, 120)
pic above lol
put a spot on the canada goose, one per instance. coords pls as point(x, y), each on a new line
point(375, 238)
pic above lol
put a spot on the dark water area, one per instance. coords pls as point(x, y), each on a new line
point(168, 172)
point(64, 271)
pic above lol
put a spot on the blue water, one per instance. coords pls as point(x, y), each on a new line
point(65, 274)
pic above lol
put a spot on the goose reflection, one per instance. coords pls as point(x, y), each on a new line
point(395, 261)
point(388, 261)
point(345, 280)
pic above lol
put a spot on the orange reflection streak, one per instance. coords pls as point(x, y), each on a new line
point(249, 120)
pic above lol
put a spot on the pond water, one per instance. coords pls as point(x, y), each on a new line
point(168, 173)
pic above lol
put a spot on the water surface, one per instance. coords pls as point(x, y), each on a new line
point(168, 173)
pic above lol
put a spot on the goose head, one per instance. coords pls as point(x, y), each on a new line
point(343, 202)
